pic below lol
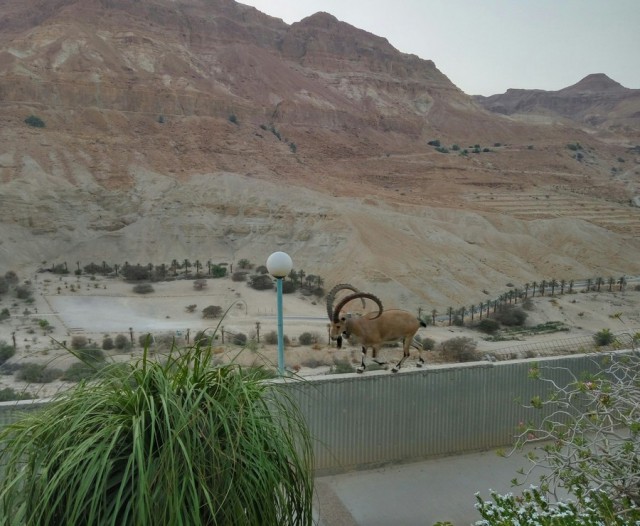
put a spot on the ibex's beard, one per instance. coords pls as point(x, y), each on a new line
point(339, 342)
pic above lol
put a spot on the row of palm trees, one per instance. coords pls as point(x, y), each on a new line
point(513, 295)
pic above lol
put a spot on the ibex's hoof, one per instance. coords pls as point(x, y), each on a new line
point(360, 370)
point(395, 370)
point(419, 364)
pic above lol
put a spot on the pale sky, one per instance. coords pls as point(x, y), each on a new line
point(488, 46)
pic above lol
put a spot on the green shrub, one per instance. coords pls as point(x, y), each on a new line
point(90, 354)
point(78, 342)
point(122, 342)
point(488, 326)
point(4, 314)
point(604, 337)
point(107, 343)
point(34, 121)
point(212, 311)
point(233, 119)
point(511, 316)
point(239, 338)
point(180, 442)
point(6, 351)
point(271, 338)
point(460, 349)
point(309, 338)
point(261, 282)
point(37, 373)
point(428, 344)
point(79, 371)
point(143, 288)
point(8, 394)
point(435, 142)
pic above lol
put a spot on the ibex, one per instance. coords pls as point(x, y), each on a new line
point(372, 330)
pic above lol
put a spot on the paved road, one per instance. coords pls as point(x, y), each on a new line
point(416, 494)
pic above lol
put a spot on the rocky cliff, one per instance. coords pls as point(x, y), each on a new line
point(204, 129)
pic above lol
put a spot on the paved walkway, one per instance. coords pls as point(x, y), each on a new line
point(420, 493)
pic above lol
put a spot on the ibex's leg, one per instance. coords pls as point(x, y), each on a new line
point(374, 354)
point(405, 355)
point(362, 366)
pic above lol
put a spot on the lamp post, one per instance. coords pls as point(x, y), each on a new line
point(279, 265)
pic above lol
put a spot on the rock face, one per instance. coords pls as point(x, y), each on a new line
point(204, 129)
point(596, 100)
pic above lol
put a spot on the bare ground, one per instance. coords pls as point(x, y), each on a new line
point(101, 307)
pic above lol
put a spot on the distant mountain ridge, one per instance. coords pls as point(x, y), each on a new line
point(596, 100)
point(207, 130)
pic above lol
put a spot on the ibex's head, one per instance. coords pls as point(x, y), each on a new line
point(339, 323)
point(331, 296)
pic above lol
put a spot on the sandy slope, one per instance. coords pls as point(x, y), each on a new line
point(100, 307)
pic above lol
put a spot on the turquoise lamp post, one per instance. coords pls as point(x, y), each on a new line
point(279, 265)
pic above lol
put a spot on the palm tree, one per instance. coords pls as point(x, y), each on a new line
point(434, 313)
point(563, 284)
point(622, 282)
point(472, 309)
point(553, 284)
point(599, 282)
point(450, 312)
point(187, 264)
point(534, 285)
point(571, 287)
point(611, 283)
point(198, 267)
point(480, 307)
point(589, 282)
point(543, 285)
point(293, 276)
point(526, 290)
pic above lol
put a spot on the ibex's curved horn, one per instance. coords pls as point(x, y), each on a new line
point(331, 296)
point(363, 295)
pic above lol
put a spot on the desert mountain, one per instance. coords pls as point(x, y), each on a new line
point(596, 100)
point(204, 129)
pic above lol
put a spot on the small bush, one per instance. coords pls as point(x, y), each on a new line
point(460, 349)
point(122, 342)
point(239, 339)
point(199, 284)
point(8, 394)
point(428, 344)
point(4, 314)
point(511, 316)
point(212, 311)
point(261, 282)
point(309, 338)
point(91, 354)
point(239, 276)
point(143, 288)
point(6, 351)
point(107, 343)
point(37, 373)
point(78, 371)
point(78, 342)
point(288, 287)
point(34, 121)
point(271, 338)
point(488, 326)
point(604, 337)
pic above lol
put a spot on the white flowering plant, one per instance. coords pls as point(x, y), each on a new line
point(533, 508)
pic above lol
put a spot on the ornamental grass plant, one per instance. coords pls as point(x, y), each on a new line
point(182, 442)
